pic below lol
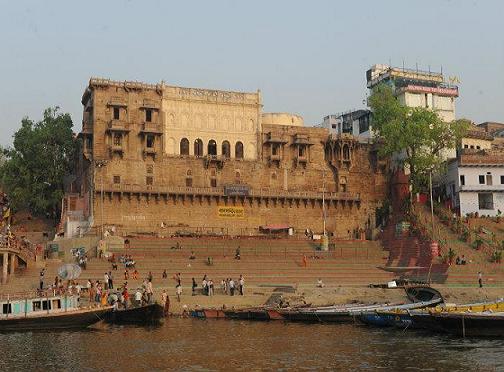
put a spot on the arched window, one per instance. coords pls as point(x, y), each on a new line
point(212, 147)
point(346, 152)
point(189, 173)
point(198, 147)
point(226, 149)
point(184, 146)
point(239, 150)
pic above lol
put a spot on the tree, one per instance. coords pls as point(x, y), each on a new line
point(35, 167)
point(417, 135)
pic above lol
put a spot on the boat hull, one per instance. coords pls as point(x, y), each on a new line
point(148, 314)
point(469, 325)
point(64, 320)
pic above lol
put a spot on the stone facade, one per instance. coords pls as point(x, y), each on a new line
point(157, 158)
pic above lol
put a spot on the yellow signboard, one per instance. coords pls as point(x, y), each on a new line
point(231, 212)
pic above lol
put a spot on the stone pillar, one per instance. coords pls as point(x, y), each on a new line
point(4, 267)
point(12, 266)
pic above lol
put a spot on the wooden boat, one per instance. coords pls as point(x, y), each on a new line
point(213, 313)
point(274, 314)
point(336, 314)
point(49, 312)
point(147, 314)
point(395, 317)
point(464, 324)
point(422, 293)
point(422, 319)
point(247, 314)
point(200, 314)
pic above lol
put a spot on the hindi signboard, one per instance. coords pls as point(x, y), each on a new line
point(236, 190)
point(230, 212)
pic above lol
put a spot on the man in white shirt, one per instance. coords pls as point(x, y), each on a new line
point(138, 297)
point(106, 281)
point(241, 284)
point(231, 287)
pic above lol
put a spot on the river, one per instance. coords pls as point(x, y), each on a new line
point(210, 345)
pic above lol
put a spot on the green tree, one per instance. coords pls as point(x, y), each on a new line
point(34, 169)
point(417, 136)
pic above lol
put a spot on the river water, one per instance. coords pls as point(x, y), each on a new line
point(218, 344)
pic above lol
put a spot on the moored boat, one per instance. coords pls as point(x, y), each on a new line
point(213, 313)
point(47, 313)
point(483, 324)
point(147, 314)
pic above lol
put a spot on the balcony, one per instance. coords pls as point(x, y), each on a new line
point(116, 148)
point(117, 102)
point(87, 127)
point(275, 157)
point(302, 139)
point(301, 159)
point(275, 138)
point(118, 126)
point(151, 128)
point(481, 188)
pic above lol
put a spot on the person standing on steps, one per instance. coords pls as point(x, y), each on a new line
point(41, 279)
point(241, 284)
point(480, 279)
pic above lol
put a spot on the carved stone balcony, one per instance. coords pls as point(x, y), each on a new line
point(151, 128)
point(118, 126)
point(275, 138)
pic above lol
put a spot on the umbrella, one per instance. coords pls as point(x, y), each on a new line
point(69, 271)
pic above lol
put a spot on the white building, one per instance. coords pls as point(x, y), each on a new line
point(355, 122)
point(416, 88)
point(475, 182)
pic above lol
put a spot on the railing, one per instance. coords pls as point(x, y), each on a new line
point(219, 191)
point(482, 188)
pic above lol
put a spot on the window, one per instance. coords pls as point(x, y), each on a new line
point(116, 113)
point(117, 180)
point(502, 180)
point(150, 141)
point(333, 126)
point(363, 123)
point(198, 147)
point(149, 180)
point(7, 309)
point(184, 146)
point(37, 305)
point(212, 148)
point(489, 179)
point(346, 152)
point(426, 100)
point(485, 201)
point(274, 149)
point(478, 147)
point(226, 149)
point(117, 139)
point(148, 115)
point(149, 168)
point(239, 150)
point(462, 180)
point(466, 146)
point(213, 182)
point(472, 147)
point(481, 180)
point(302, 151)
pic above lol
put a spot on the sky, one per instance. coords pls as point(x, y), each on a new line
point(306, 57)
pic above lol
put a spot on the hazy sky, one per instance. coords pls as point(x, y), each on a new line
point(307, 57)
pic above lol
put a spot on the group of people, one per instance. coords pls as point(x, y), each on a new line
point(460, 260)
point(228, 286)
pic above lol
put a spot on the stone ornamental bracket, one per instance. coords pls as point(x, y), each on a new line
point(261, 194)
